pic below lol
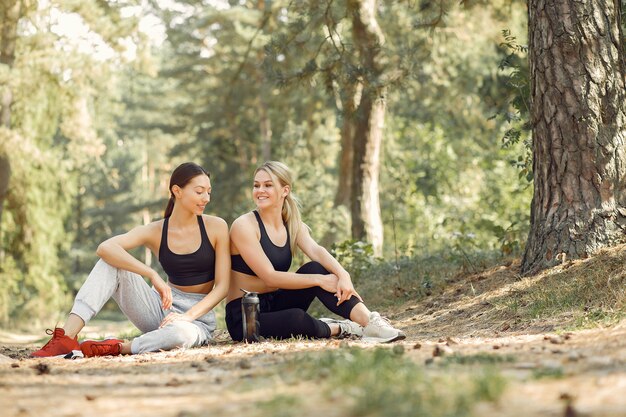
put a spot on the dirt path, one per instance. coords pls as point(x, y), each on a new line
point(546, 371)
point(590, 367)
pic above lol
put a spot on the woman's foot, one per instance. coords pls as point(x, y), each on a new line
point(379, 330)
point(347, 328)
point(107, 347)
point(59, 346)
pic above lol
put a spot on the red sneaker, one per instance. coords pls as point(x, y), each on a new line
point(59, 346)
point(108, 347)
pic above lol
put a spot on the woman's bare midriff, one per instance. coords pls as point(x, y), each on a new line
point(247, 282)
point(196, 289)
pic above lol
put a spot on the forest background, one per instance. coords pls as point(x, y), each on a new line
point(100, 117)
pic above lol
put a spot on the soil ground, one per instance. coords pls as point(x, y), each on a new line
point(550, 373)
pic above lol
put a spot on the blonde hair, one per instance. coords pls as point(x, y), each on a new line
point(291, 205)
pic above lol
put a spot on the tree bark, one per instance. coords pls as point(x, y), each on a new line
point(265, 128)
point(10, 13)
point(370, 115)
point(350, 97)
point(578, 115)
point(147, 177)
point(5, 175)
point(365, 208)
point(265, 123)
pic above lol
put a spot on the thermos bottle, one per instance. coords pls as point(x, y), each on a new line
point(250, 312)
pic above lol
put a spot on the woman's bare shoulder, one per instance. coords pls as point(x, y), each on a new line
point(246, 221)
point(214, 221)
point(152, 227)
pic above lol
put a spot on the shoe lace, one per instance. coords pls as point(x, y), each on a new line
point(382, 321)
point(344, 328)
point(53, 341)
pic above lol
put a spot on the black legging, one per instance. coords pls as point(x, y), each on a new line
point(283, 312)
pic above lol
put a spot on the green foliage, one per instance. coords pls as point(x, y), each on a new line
point(386, 283)
point(52, 136)
point(445, 182)
point(382, 382)
point(32, 231)
point(106, 135)
point(356, 256)
point(516, 111)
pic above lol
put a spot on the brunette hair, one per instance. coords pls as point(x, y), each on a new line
point(181, 176)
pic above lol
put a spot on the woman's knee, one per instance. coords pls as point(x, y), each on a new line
point(297, 315)
point(183, 334)
point(102, 267)
point(312, 268)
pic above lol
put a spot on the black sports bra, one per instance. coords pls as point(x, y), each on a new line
point(190, 268)
point(280, 257)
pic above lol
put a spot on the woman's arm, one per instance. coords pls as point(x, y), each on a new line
point(244, 237)
point(114, 251)
point(345, 288)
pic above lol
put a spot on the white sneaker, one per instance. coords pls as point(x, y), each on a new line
point(379, 330)
point(347, 328)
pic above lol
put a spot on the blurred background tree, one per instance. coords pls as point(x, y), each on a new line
point(53, 82)
point(99, 120)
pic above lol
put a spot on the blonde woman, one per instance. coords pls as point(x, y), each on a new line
point(262, 244)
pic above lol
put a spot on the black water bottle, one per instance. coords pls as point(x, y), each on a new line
point(250, 312)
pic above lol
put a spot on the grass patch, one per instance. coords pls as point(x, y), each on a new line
point(382, 382)
point(282, 405)
point(583, 294)
point(382, 283)
point(550, 372)
point(129, 334)
point(478, 359)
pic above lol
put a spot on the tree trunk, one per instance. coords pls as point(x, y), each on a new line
point(265, 123)
point(147, 177)
point(365, 208)
point(346, 158)
point(265, 128)
point(578, 116)
point(370, 116)
point(349, 100)
point(10, 13)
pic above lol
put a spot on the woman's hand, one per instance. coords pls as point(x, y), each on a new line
point(172, 317)
point(345, 290)
point(164, 290)
point(328, 282)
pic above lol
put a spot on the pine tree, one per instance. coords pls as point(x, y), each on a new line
point(578, 118)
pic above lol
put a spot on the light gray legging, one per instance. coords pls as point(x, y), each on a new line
point(142, 305)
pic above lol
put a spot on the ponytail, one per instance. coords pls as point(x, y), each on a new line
point(291, 216)
point(170, 207)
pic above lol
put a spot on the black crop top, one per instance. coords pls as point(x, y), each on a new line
point(280, 257)
point(190, 268)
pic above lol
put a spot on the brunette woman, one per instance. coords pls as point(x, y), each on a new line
point(193, 249)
